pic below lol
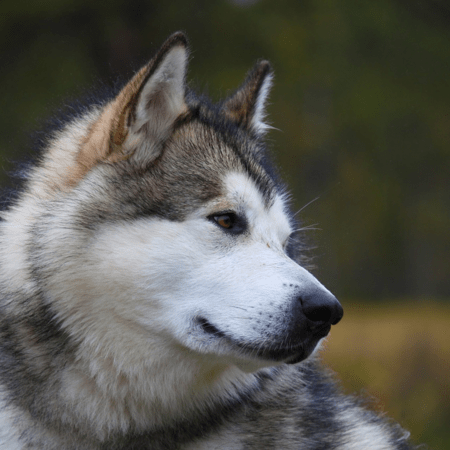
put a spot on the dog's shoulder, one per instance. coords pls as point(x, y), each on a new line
point(302, 407)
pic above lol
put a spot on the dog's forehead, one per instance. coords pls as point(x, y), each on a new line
point(241, 191)
point(211, 162)
point(216, 148)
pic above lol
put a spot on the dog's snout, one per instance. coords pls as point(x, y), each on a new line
point(321, 307)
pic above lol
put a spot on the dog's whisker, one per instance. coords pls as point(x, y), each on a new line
point(305, 206)
point(307, 227)
point(238, 307)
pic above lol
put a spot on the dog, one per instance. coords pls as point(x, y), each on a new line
point(153, 289)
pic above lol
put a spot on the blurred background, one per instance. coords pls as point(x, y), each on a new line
point(361, 107)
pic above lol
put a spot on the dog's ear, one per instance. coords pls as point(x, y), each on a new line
point(151, 102)
point(247, 106)
point(138, 121)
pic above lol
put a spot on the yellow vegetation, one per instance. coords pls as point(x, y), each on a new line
point(399, 355)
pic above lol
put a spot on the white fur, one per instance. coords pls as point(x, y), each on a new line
point(160, 103)
point(132, 306)
point(259, 116)
point(362, 435)
point(169, 78)
point(8, 438)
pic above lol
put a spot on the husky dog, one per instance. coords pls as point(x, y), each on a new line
point(153, 294)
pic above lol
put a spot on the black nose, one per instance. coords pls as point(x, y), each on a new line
point(321, 307)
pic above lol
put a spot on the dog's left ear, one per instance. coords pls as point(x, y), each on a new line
point(247, 106)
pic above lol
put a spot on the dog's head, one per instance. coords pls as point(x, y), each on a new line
point(169, 230)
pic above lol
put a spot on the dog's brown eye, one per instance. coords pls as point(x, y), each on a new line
point(230, 222)
point(225, 220)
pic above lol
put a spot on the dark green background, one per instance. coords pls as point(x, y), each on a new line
point(361, 101)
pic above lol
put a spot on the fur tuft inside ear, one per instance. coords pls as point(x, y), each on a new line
point(156, 98)
point(138, 121)
point(247, 106)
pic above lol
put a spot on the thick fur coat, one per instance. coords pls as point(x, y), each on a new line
point(153, 287)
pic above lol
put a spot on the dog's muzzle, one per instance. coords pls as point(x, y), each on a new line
point(306, 321)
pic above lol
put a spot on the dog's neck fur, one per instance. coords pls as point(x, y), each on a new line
point(146, 395)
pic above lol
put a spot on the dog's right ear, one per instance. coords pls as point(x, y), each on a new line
point(247, 105)
point(138, 121)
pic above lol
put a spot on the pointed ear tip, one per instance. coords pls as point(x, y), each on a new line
point(175, 43)
point(265, 63)
point(177, 38)
point(264, 70)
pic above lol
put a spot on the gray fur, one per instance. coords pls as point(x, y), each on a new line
point(79, 369)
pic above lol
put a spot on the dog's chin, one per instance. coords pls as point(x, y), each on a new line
point(252, 356)
point(251, 363)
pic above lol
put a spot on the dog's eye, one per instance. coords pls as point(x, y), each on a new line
point(229, 221)
point(226, 220)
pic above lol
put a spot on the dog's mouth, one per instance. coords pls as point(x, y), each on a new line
point(294, 350)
